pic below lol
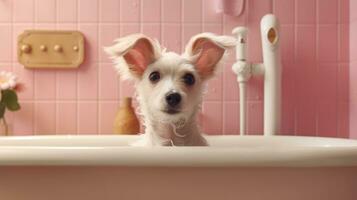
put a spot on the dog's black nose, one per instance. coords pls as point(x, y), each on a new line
point(173, 99)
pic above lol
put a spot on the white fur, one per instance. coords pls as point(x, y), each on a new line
point(179, 129)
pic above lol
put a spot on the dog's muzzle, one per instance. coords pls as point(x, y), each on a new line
point(173, 100)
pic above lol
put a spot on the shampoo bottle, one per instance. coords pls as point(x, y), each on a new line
point(126, 121)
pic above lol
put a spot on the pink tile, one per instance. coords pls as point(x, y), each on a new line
point(87, 118)
point(327, 11)
point(307, 87)
point(130, 10)
point(189, 30)
point(257, 9)
point(45, 26)
point(343, 120)
point(287, 118)
point(127, 29)
point(6, 43)
point(255, 118)
point(288, 99)
point(67, 11)
point(353, 82)
point(353, 40)
point(23, 10)
point(152, 30)
point(214, 88)
point(353, 6)
point(306, 118)
point(306, 44)
point(287, 42)
point(126, 89)
point(327, 119)
point(306, 11)
point(212, 118)
point(254, 47)
point(231, 118)
point(171, 11)
point(6, 10)
point(107, 113)
point(91, 41)
point(343, 82)
point(109, 11)
point(192, 11)
point(285, 11)
point(45, 85)
point(231, 22)
point(328, 44)
point(24, 119)
point(255, 88)
point(25, 77)
point(214, 28)
point(327, 76)
point(209, 12)
point(107, 34)
point(344, 11)
point(66, 85)
point(230, 84)
point(45, 118)
point(171, 37)
point(353, 120)
point(108, 83)
point(66, 118)
point(67, 26)
point(88, 10)
point(151, 11)
point(88, 82)
point(344, 43)
point(289, 79)
point(45, 11)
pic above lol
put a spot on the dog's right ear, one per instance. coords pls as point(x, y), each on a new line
point(132, 55)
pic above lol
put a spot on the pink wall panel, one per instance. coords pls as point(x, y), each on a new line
point(315, 38)
point(353, 70)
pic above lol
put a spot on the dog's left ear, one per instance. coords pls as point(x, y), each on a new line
point(206, 50)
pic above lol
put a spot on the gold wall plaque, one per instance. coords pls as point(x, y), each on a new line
point(50, 49)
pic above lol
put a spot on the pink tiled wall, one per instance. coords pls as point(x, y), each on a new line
point(314, 50)
point(353, 69)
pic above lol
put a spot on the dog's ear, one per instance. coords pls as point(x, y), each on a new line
point(206, 50)
point(132, 54)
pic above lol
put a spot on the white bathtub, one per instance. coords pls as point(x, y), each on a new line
point(233, 167)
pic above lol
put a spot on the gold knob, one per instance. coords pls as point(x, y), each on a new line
point(75, 48)
point(26, 48)
point(43, 48)
point(57, 48)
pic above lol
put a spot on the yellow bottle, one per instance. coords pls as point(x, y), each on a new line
point(126, 121)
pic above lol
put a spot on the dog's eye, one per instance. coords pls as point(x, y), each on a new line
point(189, 79)
point(154, 77)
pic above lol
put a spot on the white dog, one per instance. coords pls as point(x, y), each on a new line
point(169, 86)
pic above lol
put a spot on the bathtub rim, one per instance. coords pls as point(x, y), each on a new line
point(215, 156)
